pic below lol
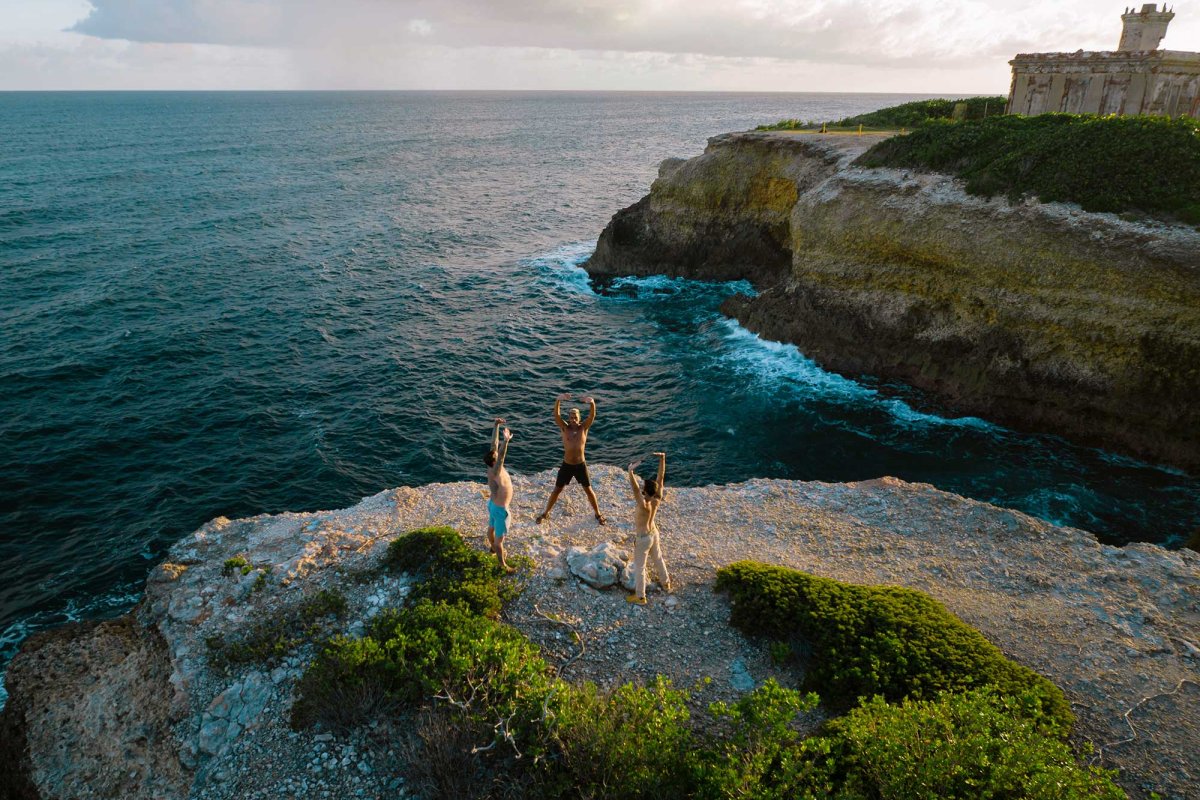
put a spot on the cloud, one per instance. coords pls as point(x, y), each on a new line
point(872, 32)
point(946, 46)
point(89, 63)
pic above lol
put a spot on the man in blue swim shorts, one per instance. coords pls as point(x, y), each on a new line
point(500, 492)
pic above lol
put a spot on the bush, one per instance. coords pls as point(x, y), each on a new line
point(1146, 164)
point(973, 745)
point(907, 115)
point(631, 743)
point(912, 115)
point(482, 666)
point(237, 564)
point(450, 570)
point(880, 640)
point(761, 756)
point(442, 757)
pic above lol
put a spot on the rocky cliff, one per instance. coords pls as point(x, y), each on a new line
point(1037, 315)
point(157, 705)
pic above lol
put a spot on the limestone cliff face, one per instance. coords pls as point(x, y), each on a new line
point(1038, 315)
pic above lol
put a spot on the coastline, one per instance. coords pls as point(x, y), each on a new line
point(1039, 316)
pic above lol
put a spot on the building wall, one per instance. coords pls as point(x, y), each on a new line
point(1160, 82)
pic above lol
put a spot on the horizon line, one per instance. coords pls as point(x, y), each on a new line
point(487, 91)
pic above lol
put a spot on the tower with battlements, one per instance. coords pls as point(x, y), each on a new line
point(1145, 29)
point(1136, 78)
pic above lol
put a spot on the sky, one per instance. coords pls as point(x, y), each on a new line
point(919, 46)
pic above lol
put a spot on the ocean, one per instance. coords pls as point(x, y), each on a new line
point(236, 303)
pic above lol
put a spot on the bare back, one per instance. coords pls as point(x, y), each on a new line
point(645, 516)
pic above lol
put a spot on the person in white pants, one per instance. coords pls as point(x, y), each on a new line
point(646, 501)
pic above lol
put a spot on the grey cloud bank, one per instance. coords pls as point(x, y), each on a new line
point(870, 32)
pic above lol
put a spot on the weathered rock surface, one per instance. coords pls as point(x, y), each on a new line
point(91, 713)
point(602, 566)
point(136, 708)
point(1037, 315)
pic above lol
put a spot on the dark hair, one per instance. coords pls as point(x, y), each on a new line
point(489, 457)
point(651, 488)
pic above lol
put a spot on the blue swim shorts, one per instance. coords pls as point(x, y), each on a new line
point(498, 519)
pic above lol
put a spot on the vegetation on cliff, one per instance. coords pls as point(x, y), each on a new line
point(885, 641)
point(906, 115)
point(493, 719)
point(1115, 164)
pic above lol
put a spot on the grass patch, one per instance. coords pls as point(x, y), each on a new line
point(906, 115)
point(270, 641)
point(1140, 164)
point(881, 640)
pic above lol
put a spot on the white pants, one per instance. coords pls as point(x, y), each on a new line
point(647, 544)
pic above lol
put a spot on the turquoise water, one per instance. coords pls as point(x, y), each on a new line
point(238, 303)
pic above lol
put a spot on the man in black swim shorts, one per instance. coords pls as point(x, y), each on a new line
point(574, 467)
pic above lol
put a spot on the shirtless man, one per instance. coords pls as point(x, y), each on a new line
point(574, 437)
point(500, 492)
point(646, 500)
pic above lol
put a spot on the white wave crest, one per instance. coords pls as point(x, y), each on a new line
point(778, 364)
point(561, 265)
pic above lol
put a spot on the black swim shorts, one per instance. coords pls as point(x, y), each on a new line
point(568, 471)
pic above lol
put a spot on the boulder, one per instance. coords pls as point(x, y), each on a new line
point(604, 565)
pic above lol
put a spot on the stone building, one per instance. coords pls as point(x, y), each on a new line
point(1136, 78)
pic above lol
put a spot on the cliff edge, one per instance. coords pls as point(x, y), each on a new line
point(1037, 315)
point(163, 704)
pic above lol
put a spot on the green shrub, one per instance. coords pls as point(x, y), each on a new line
point(912, 115)
point(450, 570)
point(761, 756)
point(880, 640)
point(1146, 164)
point(236, 564)
point(907, 115)
point(631, 743)
point(973, 745)
point(430, 649)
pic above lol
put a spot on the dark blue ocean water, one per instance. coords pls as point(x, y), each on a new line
point(237, 303)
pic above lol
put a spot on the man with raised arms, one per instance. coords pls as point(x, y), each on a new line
point(574, 467)
point(500, 492)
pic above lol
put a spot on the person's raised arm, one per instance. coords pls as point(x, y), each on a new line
point(503, 450)
point(496, 433)
point(562, 423)
point(662, 473)
point(592, 413)
point(633, 485)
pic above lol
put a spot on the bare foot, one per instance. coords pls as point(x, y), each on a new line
point(541, 517)
point(601, 519)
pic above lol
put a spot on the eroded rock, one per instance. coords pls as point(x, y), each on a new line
point(602, 566)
